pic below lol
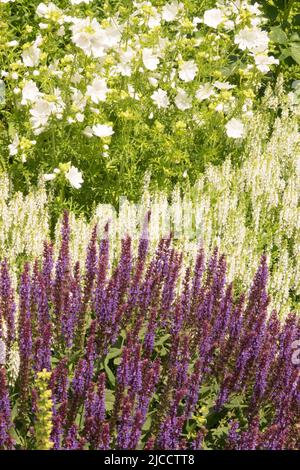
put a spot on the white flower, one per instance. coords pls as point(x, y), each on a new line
point(253, 39)
point(79, 117)
point(153, 81)
point(40, 113)
point(12, 43)
point(154, 20)
point(205, 91)
point(223, 85)
point(74, 176)
point(171, 10)
point(102, 130)
point(49, 176)
point(31, 55)
point(14, 146)
point(132, 93)
point(235, 128)
point(30, 92)
point(6, 1)
point(88, 132)
point(150, 60)
point(213, 17)
point(97, 90)
point(182, 100)
point(160, 98)
point(77, 2)
point(89, 36)
point(188, 71)
point(263, 61)
point(124, 66)
point(78, 100)
point(50, 12)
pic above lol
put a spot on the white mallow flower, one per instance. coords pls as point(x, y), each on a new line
point(235, 128)
point(188, 71)
point(160, 98)
point(13, 148)
point(40, 113)
point(153, 81)
point(50, 12)
point(102, 130)
point(31, 55)
point(213, 17)
point(74, 176)
point(88, 131)
point(253, 39)
point(78, 100)
point(223, 85)
point(150, 60)
point(182, 100)
point(30, 92)
point(263, 62)
point(171, 10)
point(124, 66)
point(12, 43)
point(77, 2)
point(92, 38)
point(205, 91)
point(6, 1)
point(97, 91)
point(49, 176)
point(154, 20)
point(89, 36)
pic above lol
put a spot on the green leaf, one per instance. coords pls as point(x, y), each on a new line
point(162, 340)
point(114, 352)
point(295, 52)
point(110, 374)
point(278, 36)
point(109, 400)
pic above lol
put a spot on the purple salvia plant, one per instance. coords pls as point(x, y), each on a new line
point(6, 442)
point(7, 305)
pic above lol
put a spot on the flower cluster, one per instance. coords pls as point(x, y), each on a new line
point(85, 84)
point(128, 357)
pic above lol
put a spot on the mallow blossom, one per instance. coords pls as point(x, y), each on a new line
point(205, 91)
point(188, 70)
point(74, 176)
point(235, 128)
point(171, 10)
point(102, 130)
point(182, 100)
point(213, 17)
point(160, 98)
point(97, 90)
point(254, 39)
point(150, 60)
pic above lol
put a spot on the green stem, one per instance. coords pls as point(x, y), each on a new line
point(287, 10)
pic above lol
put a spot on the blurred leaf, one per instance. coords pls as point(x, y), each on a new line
point(110, 374)
point(162, 340)
point(278, 36)
point(109, 400)
point(295, 52)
